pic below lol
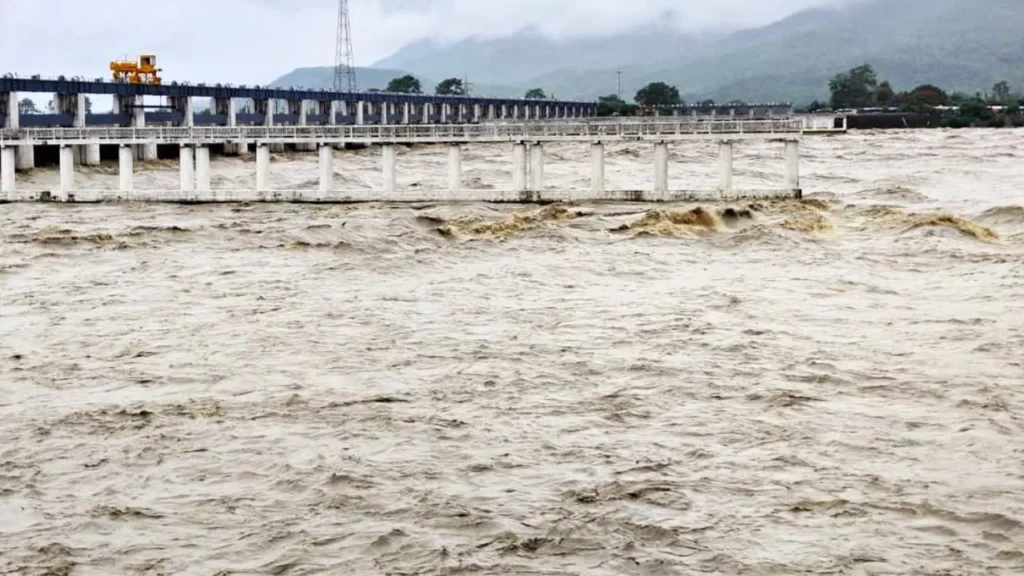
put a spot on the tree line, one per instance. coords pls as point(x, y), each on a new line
point(859, 88)
point(410, 84)
point(655, 94)
point(28, 106)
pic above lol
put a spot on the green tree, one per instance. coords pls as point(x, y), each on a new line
point(658, 94)
point(407, 84)
point(854, 89)
point(923, 97)
point(27, 106)
point(88, 105)
point(976, 109)
point(885, 95)
point(451, 87)
point(611, 105)
point(1001, 93)
point(535, 94)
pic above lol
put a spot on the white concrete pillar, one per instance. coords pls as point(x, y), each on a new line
point(8, 162)
point(344, 108)
point(126, 170)
point(454, 168)
point(660, 167)
point(90, 154)
point(25, 158)
point(426, 113)
point(476, 112)
point(332, 111)
point(793, 165)
point(303, 120)
point(384, 109)
point(725, 166)
point(202, 168)
point(67, 171)
point(490, 111)
point(388, 167)
point(10, 117)
point(537, 166)
point(187, 169)
point(444, 113)
point(326, 168)
point(597, 167)
point(519, 166)
point(405, 112)
point(262, 167)
point(10, 114)
point(268, 111)
point(504, 111)
point(183, 104)
point(227, 107)
point(360, 106)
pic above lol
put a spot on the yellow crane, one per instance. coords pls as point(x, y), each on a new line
point(142, 72)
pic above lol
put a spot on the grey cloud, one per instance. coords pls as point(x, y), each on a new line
point(253, 41)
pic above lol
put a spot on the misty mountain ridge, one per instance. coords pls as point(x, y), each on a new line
point(957, 44)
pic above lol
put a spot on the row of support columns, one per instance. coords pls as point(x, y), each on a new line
point(527, 167)
point(529, 173)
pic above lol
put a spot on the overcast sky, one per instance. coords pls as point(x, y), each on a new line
point(255, 41)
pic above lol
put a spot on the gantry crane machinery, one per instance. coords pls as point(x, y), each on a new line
point(142, 72)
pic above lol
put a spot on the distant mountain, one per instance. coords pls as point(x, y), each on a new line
point(378, 78)
point(518, 59)
point(958, 44)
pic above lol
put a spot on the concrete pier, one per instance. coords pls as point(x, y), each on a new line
point(202, 169)
point(8, 163)
point(187, 168)
point(133, 107)
point(597, 167)
point(326, 168)
point(660, 166)
point(302, 110)
point(183, 105)
point(360, 119)
point(454, 168)
point(67, 171)
point(25, 158)
point(793, 165)
point(405, 112)
point(519, 166)
point(227, 107)
point(388, 168)
point(262, 167)
point(536, 166)
point(725, 166)
point(126, 170)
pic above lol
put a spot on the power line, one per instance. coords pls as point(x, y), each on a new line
point(344, 70)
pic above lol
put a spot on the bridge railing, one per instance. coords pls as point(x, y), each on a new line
point(410, 133)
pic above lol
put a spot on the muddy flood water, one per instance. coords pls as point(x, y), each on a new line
point(826, 386)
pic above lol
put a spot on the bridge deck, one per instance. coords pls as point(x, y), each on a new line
point(788, 128)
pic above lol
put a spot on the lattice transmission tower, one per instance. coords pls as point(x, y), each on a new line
point(344, 70)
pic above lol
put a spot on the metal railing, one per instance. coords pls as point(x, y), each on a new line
point(408, 133)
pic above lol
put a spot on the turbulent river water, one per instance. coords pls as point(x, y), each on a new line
point(826, 386)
